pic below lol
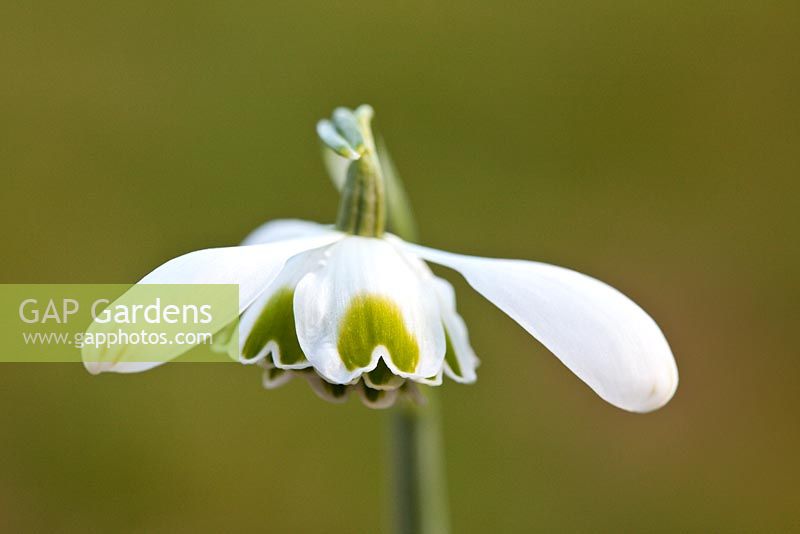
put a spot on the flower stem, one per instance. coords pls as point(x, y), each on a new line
point(419, 485)
point(362, 208)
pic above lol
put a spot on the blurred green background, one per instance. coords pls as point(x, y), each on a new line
point(655, 146)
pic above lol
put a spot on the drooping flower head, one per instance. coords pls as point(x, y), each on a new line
point(351, 307)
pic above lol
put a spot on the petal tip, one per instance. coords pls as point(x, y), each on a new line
point(655, 394)
point(94, 368)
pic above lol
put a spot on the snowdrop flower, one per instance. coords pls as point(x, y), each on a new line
point(351, 307)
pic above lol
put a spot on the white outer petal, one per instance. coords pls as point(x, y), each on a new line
point(281, 229)
point(355, 266)
point(252, 268)
point(596, 331)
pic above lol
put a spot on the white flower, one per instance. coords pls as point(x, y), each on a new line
point(346, 308)
point(353, 308)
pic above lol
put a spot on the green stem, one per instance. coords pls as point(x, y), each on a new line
point(419, 482)
point(362, 209)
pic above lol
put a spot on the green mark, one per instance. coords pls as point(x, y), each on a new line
point(371, 321)
point(276, 323)
point(382, 378)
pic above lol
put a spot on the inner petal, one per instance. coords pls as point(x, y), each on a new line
point(275, 325)
point(268, 326)
point(365, 304)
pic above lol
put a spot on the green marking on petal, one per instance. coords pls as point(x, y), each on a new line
point(276, 323)
point(450, 355)
point(369, 322)
point(382, 378)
